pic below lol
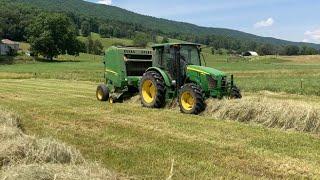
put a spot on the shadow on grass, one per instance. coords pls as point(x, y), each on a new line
point(10, 60)
point(6, 60)
point(54, 60)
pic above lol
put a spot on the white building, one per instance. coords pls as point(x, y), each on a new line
point(7, 46)
point(250, 53)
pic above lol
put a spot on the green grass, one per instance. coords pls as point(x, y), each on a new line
point(264, 73)
point(143, 142)
point(107, 42)
point(267, 73)
point(84, 67)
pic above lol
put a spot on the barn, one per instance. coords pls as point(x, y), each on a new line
point(250, 53)
point(8, 47)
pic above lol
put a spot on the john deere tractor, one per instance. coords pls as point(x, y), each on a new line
point(174, 70)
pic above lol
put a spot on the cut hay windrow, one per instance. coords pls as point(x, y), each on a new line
point(25, 157)
point(284, 114)
point(58, 172)
point(269, 112)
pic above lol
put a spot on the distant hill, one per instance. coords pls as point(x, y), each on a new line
point(167, 26)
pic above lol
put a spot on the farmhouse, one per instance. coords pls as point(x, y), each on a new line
point(8, 47)
point(250, 53)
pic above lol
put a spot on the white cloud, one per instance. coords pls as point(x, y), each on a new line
point(264, 23)
point(306, 40)
point(314, 35)
point(106, 2)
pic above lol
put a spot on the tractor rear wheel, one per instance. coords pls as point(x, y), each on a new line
point(235, 93)
point(152, 90)
point(191, 99)
point(102, 93)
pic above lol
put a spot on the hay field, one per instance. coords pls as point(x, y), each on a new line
point(23, 157)
point(308, 59)
point(249, 139)
point(143, 143)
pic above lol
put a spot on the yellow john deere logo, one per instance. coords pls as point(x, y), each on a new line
point(110, 71)
point(197, 70)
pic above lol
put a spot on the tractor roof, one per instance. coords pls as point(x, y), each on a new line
point(172, 44)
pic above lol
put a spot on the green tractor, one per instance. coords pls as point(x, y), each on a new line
point(170, 71)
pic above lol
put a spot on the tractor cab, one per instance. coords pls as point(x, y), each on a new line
point(175, 58)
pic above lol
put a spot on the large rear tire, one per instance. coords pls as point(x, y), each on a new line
point(102, 93)
point(152, 90)
point(191, 100)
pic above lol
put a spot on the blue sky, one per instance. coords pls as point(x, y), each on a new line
point(295, 20)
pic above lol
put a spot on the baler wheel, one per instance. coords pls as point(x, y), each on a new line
point(102, 93)
point(152, 90)
point(191, 100)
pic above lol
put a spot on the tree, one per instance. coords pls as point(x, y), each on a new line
point(53, 34)
point(116, 32)
point(12, 23)
point(94, 46)
point(141, 39)
point(165, 40)
point(89, 45)
point(291, 50)
point(306, 50)
point(97, 47)
point(106, 31)
point(85, 28)
point(265, 49)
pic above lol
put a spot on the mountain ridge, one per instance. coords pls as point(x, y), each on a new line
point(108, 12)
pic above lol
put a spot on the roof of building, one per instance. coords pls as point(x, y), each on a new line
point(8, 41)
point(252, 53)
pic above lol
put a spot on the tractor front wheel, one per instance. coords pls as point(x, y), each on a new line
point(191, 100)
point(102, 93)
point(152, 90)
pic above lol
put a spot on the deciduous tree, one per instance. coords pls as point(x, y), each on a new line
point(53, 34)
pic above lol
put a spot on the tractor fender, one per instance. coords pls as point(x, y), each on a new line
point(163, 74)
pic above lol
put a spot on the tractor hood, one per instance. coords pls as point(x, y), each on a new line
point(205, 70)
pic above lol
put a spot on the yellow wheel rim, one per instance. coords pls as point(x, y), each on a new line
point(148, 91)
point(111, 101)
point(187, 101)
point(100, 94)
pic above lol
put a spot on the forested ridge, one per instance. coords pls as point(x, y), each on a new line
point(110, 21)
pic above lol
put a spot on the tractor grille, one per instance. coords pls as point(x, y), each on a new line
point(212, 82)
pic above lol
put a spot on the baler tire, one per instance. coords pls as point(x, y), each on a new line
point(102, 93)
point(156, 80)
point(196, 92)
point(235, 93)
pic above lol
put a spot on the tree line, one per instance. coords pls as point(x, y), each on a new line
point(24, 23)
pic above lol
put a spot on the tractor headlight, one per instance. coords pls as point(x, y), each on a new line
point(212, 83)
